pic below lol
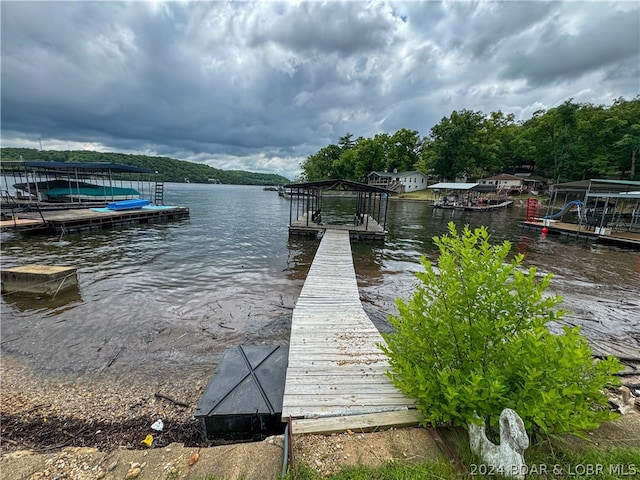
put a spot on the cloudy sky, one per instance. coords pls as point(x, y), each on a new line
point(260, 86)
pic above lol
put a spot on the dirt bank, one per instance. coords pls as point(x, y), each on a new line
point(91, 427)
point(250, 461)
point(261, 460)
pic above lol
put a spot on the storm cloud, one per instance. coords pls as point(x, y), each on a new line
point(260, 86)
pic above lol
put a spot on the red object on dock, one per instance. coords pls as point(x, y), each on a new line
point(532, 205)
point(545, 230)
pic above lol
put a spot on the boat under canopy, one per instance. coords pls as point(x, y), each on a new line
point(73, 182)
point(65, 190)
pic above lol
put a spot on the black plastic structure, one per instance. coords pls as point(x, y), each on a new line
point(244, 397)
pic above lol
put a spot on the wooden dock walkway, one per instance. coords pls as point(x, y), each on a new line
point(336, 373)
point(76, 220)
point(23, 224)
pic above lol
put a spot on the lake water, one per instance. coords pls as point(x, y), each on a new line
point(169, 295)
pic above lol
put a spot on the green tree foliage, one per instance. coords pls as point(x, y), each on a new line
point(168, 169)
point(321, 165)
point(496, 146)
point(473, 338)
point(569, 142)
point(454, 145)
point(593, 139)
point(554, 135)
point(353, 160)
point(405, 147)
point(625, 120)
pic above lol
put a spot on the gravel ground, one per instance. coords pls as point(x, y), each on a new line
point(91, 427)
point(44, 412)
point(82, 427)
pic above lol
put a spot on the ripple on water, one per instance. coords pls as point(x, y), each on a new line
point(230, 274)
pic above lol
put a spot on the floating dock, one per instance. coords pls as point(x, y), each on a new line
point(75, 220)
point(39, 279)
point(244, 397)
point(599, 235)
point(336, 375)
point(367, 228)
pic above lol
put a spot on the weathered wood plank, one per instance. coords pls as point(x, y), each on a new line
point(342, 410)
point(355, 371)
point(336, 380)
point(357, 423)
point(342, 388)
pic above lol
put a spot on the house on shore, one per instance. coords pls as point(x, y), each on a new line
point(399, 182)
point(505, 183)
point(534, 183)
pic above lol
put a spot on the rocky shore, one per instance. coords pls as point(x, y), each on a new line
point(83, 427)
point(47, 412)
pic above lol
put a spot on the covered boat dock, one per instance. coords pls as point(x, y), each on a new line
point(70, 197)
point(607, 211)
point(369, 210)
point(75, 184)
point(468, 196)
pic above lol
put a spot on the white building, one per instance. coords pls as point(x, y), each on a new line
point(504, 181)
point(400, 182)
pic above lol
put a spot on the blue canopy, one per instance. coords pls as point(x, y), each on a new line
point(73, 166)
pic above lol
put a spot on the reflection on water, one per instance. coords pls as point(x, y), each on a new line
point(47, 305)
point(181, 292)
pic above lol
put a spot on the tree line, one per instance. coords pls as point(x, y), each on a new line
point(168, 169)
point(572, 141)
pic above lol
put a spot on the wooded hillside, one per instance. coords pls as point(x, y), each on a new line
point(169, 169)
point(569, 142)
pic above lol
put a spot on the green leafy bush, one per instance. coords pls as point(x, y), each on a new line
point(473, 338)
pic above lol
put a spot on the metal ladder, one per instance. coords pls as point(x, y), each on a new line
point(158, 197)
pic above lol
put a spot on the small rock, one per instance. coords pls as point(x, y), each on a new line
point(133, 473)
